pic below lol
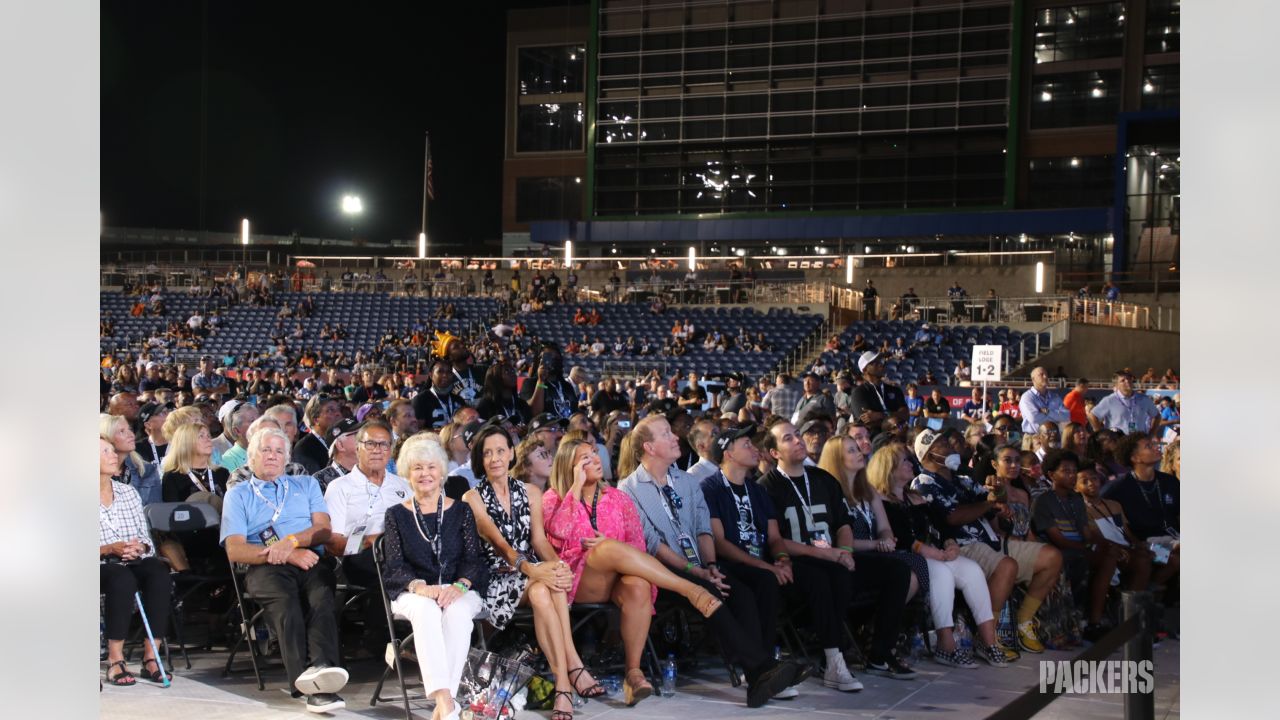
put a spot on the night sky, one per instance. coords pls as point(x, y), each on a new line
point(305, 102)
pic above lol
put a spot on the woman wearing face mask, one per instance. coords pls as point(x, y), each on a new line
point(524, 569)
point(890, 472)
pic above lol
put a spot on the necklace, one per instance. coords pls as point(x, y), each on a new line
point(433, 542)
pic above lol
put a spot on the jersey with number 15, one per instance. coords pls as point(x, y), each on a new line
point(826, 510)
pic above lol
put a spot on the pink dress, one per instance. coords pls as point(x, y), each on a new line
point(567, 523)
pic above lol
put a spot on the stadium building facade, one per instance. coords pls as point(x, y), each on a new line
point(849, 126)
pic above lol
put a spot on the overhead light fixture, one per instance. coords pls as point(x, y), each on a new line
point(244, 231)
point(1075, 162)
point(1039, 277)
point(848, 270)
point(568, 254)
point(1097, 92)
point(1046, 96)
point(422, 245)
point(693, 261)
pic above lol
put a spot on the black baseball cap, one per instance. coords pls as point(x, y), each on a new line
point(470, 430)
point(547, 420)
point(151, 409)
point(345, 426)
point(728, 437)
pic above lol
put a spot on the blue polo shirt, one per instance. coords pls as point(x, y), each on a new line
point(245, 513)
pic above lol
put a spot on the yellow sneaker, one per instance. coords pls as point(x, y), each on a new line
point(1027, 637)
point(1010, 654)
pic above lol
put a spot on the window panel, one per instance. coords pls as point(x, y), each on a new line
point(551, 70)
point(549, 126)
point(549, 198)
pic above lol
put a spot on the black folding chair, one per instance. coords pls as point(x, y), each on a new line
point(251, 613)
point(398, 644)
point(178, 519)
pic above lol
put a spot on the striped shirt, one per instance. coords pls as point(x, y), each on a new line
point(124, 519)
point(692, 518)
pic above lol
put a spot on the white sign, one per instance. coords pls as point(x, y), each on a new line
point(987, 362)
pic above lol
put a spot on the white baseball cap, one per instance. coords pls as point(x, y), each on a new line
point(866, 359)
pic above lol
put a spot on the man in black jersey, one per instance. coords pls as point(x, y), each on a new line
point(873, 399)
point(815, 524)
point(468, 378)
point(549, 391)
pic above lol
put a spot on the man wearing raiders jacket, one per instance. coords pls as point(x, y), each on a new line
point(814, 523)
point(548, 391)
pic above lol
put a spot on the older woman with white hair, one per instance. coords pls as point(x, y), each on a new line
point(434, 570)
point(142, 476)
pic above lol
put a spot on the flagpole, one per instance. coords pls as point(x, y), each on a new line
point(426, 163)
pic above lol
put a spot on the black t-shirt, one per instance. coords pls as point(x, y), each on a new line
point(937, 407)
point(694, 392)
point(883, 398)
point(435, 408)
point(559, 398)
point(733, 401)
point(177, 486)
point(469, 383)
point(822, 498)
point(369, 393)
point(145, 450)
point(1150, 507)
point(515, 408)
point(606, 402)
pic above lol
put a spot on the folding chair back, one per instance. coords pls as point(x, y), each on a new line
point(397, 643)
point(182, 516)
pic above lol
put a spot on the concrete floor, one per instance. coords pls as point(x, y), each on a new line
point(936, 692)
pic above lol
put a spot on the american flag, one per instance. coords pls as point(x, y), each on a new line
point(431, 190)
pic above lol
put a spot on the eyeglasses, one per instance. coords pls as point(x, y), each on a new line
point(376, 444)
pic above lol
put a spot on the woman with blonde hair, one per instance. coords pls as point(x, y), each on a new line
point(189, 468)
point(890, 472)
point(596, 530)
point(843, 459)
point(135, 472)
point(1171, 460)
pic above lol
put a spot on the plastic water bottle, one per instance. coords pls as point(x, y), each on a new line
point(777, 653)
point(669, 676)
point(918, 650)
point(964, 640)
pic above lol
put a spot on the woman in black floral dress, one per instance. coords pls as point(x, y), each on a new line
point(509, 518)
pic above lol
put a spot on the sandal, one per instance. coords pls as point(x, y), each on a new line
point(124, 678)
point(706, 603)
point(594, 691)
point(562, 714)
point(154, 676)
point(635, 687)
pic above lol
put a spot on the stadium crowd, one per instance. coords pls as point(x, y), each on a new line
point(504, 479)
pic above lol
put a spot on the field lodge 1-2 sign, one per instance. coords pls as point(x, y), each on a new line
point(986, 363)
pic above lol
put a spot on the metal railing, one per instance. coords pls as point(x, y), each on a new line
point(946, 310)
point(1099, 311)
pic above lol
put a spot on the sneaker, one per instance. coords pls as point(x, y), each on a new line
point(324, 702)
point(321, 680)
point(891, 667)
point(993, 654)
point(1027, 637)
point(788, 694)
point(956, 658)
point(839, 677)
point(1010, 654)
point(769, 683)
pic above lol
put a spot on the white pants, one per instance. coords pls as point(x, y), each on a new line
point(945, 577)
point(441, 638)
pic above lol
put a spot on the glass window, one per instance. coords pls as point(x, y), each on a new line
point(549, 127)
point(619, 66)
point(1079, 32)
point(548, 198)
point(551, 70)
point(1087, 181)
point(1160, 88)
point(696, 106)
point(1075, 99)
point(1164, 25)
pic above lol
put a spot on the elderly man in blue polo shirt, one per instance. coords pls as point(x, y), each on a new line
point(277, 524)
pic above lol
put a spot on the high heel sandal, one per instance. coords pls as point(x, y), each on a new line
point(154, 676)
point(124, 678)
point(562, 714)
point(706, 603)
point(594, 691)
point(635, 687)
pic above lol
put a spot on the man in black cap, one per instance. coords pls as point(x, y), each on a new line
point(815, 432)
point(342, 452)
point(152, 415)
point(681, 423)
point(814, 402)
point(873, 400)
point(548, 429)
point(734, 398)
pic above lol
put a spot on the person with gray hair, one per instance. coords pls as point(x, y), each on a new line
point(311, 450)
point(277, 524)
point(236, 426)
point(245, 471)
point(434, 571)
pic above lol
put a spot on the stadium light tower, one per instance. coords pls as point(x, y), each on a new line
point(1039, 277)
point(422, 246)
point(693, 260)
point(352, 208)
point(568, 254)
point(244, 245)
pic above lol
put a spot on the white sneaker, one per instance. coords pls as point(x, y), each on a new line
point(321, 680)
point(787, 694)
point(839, 677)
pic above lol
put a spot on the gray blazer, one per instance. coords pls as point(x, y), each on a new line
point(694, 517)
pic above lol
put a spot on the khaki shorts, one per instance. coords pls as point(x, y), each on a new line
point(1024, 553)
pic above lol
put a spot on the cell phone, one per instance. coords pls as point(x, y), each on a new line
point(624, 424)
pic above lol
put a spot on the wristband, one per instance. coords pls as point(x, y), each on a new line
point(915, 546)
point(847, 549)
point(461, 588)
point(688, 566)
point(782, 556)
point(293, 539)
point(520, 560)
point(540, 386)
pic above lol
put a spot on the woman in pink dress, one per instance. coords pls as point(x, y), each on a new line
point(596, 530)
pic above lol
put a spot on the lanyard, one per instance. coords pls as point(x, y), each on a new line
point(448, 406)
point(743, 501)
point(595, 499)
point(155, 453)
point(804, 504)
point(208, 474)
point(278, 509)
point(1147, 498)
point(433, 542)
point(864, 510)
